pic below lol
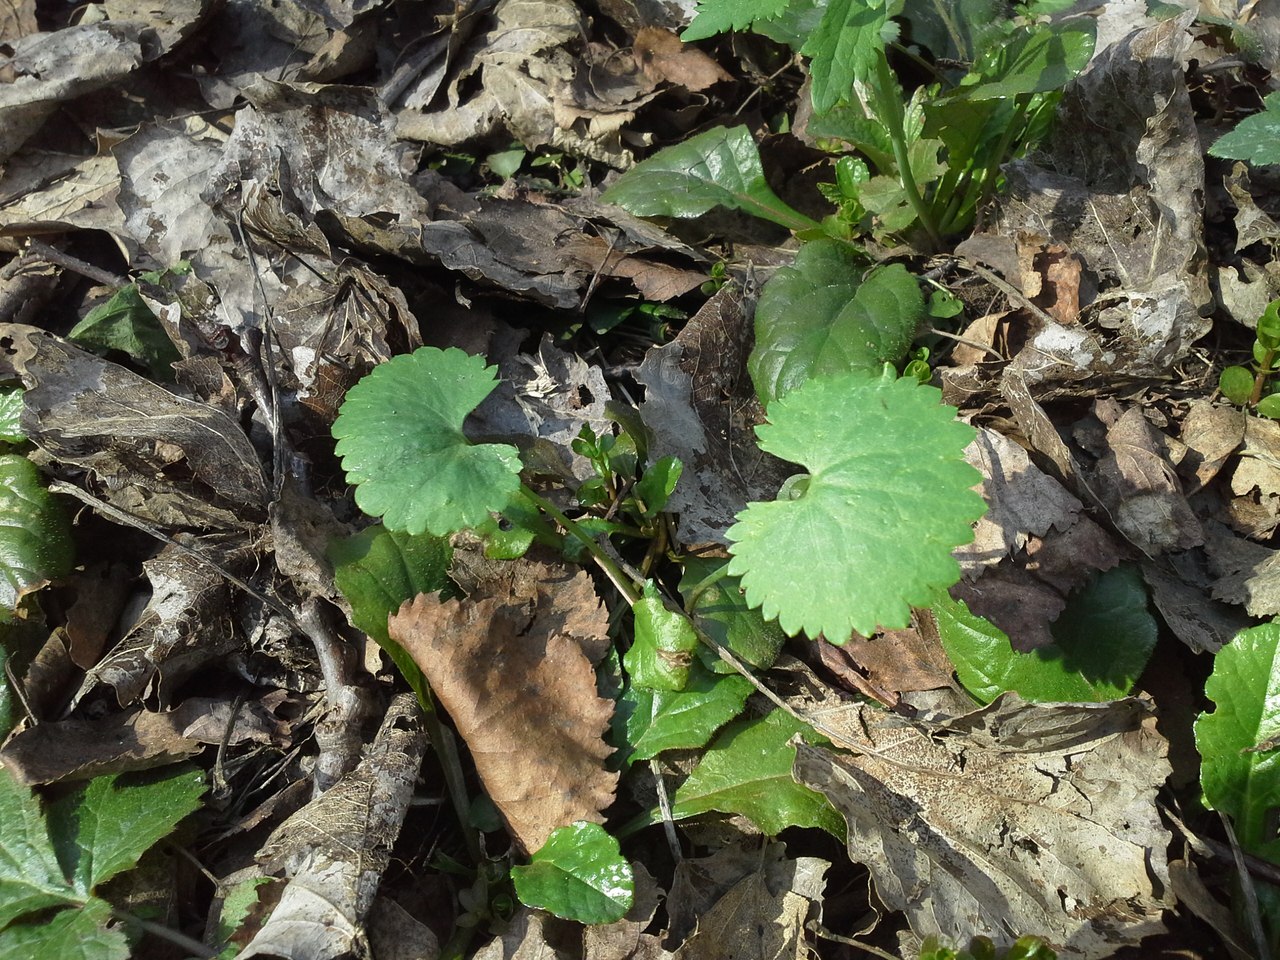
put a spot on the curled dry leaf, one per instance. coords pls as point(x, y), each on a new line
point(511, 668)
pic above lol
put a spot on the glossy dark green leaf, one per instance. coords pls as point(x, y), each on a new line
point(660, 656)
point(654, 489)
point(579, 874)
point(721, 611)
point(656, 720)
point(35, 534)
point(126, 323)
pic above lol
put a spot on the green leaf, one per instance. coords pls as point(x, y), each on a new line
point(722, 16)
point(821, 317)
point(1102, 642)
point(30, 877)
point(579, 874)
point(105, 826)
point(747, 770)
point(1268, 332)
point(35, 534)
point(844, 48)
point(718, 168)
point(68, 935)
point(1237, 777)
point(654, 489)
point(1269, 406)
point(400, 438)
point(658, 720)
point(1256, 138)
point(126, 323)
point(1031, 61)
point(659, 658)
point(237, 905)
point(1236, 384)
point(722, 612)
point(11, 415)
point(887, 500)
point(377, 570)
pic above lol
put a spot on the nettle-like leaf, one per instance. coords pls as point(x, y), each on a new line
point(400, 438)
point(1255, 138)
point(1102, 642)
point(11, 415)
point(35, 534)
point(721, 16)
point(92, 835)
point(887, 498)
point(844, 48)
point(718, 168)
point(828, 314)
point(578, 874)
point(1239, 742)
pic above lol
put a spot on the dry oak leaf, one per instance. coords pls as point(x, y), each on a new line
point(512, 672)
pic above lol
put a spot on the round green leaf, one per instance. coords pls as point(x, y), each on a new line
point(1236, 384)
point(1269, 406)
point(1239, 759)
point(400, 438)
point(889, 498)
point(579, 874)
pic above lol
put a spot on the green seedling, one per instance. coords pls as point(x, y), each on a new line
point(1257, 386)
point(982, 948)
point(923, 163)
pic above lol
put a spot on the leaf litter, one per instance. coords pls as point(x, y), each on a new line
point(319, 195)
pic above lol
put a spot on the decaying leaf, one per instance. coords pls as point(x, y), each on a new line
point(1016, 817)
point(133, 433)
point(512, 664)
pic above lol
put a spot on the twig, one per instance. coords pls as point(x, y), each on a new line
point(75, 264)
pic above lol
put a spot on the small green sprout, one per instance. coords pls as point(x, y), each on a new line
point(1256, 385)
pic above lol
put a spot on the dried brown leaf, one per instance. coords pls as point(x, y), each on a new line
point(510, 669)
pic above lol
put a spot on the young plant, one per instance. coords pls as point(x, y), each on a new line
point(927, 161)
point(1258, 387)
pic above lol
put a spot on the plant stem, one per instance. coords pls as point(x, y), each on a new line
point(1260, 378)
point(619, 579)
point(1012, 129)
point(894, 119)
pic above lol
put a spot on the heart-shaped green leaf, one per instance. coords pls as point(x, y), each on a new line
point(888, 497)
point(579, 874)
point(400, 438)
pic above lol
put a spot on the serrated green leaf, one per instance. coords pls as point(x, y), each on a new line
point(747, 771)
point(236, 907)
point(888, 498)
point(11, 415)
point(377, 570)
point(718, 168)
point(400, 438)
point(126, 323)
point(1255, 138)
point(843, 48)
point(105, 826)
point(654, 489)
point(822, 316)
point(658, 720)
point(35, 534)
point(1102, 642)
point(1239, 779)
point(721, 16)
point(722, 612)
point(30, 877)
point(579, 874)
point(660, 657)
point(79, 934)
